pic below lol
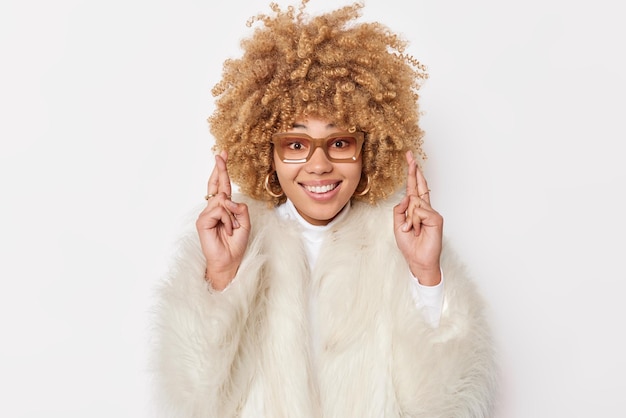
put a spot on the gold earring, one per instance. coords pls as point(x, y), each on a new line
point(267, 186)
point(366, 190)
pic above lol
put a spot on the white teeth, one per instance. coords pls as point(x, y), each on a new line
point(320, 189)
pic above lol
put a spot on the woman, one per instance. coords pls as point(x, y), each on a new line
point(330, 291)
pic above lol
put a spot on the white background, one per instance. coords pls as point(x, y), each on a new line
point(105, 150)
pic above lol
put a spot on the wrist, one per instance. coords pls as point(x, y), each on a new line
point(427, 276)
point(219, 280)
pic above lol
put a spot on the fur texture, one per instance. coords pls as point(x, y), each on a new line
point(245, 352)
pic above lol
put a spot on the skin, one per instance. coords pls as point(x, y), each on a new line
point(298, 180)
point(224, 226)
point(418, 228)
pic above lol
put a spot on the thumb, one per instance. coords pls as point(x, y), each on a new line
point(240, 210)
point(399, 212)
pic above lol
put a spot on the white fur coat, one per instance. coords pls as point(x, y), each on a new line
point(245, 352)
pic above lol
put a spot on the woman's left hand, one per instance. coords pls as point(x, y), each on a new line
point(418, 228)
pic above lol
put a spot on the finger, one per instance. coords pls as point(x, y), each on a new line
point(419, 213)
point(213, 183)
point(240, 213)
point(232, 218)
point(399, 213)
point(413, 219)
point(226, 218)
point(223, 178)
point(212, 218)
point(423, 192)
point(424, 216)
point(407, 215)
point(411, 180)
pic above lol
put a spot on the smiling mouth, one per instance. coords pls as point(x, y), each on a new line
point(321, 189)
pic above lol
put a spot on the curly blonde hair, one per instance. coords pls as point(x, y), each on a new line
point(353, 74)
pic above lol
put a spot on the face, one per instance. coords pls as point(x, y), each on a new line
point(318, 188)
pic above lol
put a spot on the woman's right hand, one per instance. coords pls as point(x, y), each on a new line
point(223, 227)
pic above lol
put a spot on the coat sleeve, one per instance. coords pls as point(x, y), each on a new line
point(196, 335)
point(451, 370)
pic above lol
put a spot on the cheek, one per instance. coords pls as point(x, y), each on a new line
point(358, 169)
point(285, 172)
point(278, 166)
point(353, 173)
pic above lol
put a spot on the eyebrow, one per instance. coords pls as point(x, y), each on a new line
point(301, 125)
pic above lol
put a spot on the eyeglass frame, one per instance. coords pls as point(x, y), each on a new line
point(319, 143)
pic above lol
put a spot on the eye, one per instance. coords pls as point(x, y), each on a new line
point(295, 145)
point(340, 143)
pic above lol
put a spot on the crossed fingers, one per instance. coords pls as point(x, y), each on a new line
point(218, 191)
point(418, 194)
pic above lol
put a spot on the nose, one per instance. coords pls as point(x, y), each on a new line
point(319, 163)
